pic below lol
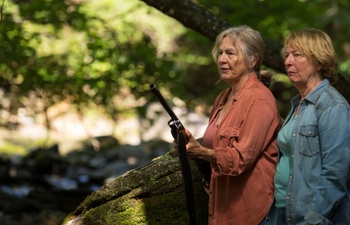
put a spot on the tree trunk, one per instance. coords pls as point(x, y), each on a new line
point(152, 194)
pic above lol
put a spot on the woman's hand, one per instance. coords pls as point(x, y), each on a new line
point(196, 150)
point(193, 147)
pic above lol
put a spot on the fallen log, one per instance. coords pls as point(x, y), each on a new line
point(152, 194)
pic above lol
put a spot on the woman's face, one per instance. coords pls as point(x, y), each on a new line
point(231, 61)
point(301, 71)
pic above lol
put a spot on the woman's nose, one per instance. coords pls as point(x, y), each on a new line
point(222, 58)
point(288, 60)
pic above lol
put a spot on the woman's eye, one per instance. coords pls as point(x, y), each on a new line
point(297, 55)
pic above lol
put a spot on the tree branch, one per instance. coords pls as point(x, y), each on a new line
point(204, 22)
point(1, 10)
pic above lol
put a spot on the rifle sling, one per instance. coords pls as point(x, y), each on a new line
point(187, 177)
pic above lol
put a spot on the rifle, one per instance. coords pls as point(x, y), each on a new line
point(177, 131)
point(174, 123)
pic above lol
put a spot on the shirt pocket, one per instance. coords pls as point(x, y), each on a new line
point(228, 136)
point(309, 141)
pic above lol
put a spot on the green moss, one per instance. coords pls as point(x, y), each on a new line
point(125, 211)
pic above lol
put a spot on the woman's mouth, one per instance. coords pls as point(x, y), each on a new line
point(224, 70)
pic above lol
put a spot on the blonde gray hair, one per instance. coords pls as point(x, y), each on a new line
point(317, 46)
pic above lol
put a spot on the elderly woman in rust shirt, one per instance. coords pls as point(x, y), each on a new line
point(240, 140)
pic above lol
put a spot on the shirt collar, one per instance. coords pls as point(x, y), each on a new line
point(251, 80)
point(313, 95)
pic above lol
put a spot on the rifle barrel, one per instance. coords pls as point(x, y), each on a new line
point(162, 101)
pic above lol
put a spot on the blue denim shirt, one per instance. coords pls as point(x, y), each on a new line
point(319, 185)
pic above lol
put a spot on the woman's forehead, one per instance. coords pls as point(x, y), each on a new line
point(227, 40)
point(292, 47)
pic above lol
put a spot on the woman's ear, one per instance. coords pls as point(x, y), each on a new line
point(254, 61)
point(318, 66)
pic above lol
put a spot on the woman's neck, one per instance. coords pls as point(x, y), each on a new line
point(308, 88)
point(235, 87)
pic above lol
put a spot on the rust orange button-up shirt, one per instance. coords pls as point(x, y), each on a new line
point(241, 188)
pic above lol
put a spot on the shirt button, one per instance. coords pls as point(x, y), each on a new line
point(293, 135)
point(290, 177)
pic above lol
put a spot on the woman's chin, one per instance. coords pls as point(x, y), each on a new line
point(226, 76)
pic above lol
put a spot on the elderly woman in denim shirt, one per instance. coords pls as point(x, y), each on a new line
point(312, 184)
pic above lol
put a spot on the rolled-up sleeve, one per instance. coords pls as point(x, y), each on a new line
point(242, 142)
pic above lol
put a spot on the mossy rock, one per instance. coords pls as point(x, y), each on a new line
point(152, 194)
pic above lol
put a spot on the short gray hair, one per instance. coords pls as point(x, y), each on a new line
point(252, 44)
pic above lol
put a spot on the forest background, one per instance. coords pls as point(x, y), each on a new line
point(91, 62)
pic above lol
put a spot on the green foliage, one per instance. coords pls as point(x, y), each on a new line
point(11, 149)
point(88, 52)
point(85, 52)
